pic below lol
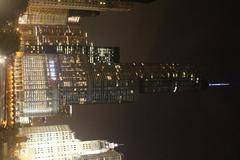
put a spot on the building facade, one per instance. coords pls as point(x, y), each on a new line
point(36, 91)
point(51, 38)
point(59, 12)
point(110, 155)
point(57, 143)
point(122, 82)
point(48, 84)
point(69, 39)
point(2, 91)
point(76, 81)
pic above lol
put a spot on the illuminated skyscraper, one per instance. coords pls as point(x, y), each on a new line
point(61, 12)
point(52, 26)
point(85, 83)
point(67, 39)
point(50, 80)
point(110, 155)
point(36, 92)
point(57, 142)
point(52, 38)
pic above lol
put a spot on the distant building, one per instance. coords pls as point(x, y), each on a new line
point(84, 83)
point(67, 39)
point(36, 92)
point(57, 142)
point(61, 12)
point(51, 39)
point(110, 155)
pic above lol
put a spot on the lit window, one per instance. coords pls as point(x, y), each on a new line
point(184, 74)
point(109, 78)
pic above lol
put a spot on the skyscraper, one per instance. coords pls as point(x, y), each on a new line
point(48, 84)
point(36, 92)
point(57, 142)
point(84, 83)
point(110, 155)
point(48, 38)
point(61, 12)
point(66, 39)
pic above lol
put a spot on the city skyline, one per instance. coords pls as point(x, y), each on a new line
point(178, 126)
point(42, 85)
point(170, 126)
point(32, 80)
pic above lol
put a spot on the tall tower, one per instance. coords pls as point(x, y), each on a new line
point(70, 79)
point(45, 84)
point(64, 39)
point(57, 142)
point(85, 83)
point(60, 12)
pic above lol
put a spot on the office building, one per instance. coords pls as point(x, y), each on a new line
point(36, 92)
point(110, 155)
point(45, 81)
point(57, 142)
point(67, 39)
point(51, 38)
point(122, 82)
point(62, 12)
point(44, 85)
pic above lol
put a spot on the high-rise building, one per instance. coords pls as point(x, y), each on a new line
point(62, 12)
point(44, 81)
point(48, 84)
point(84, 83)
point(61, 39)
point(110, 155)
point(51, 38)
point(57, 142)
point(36, 92)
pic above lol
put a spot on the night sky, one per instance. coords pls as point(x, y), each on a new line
point(184, 126)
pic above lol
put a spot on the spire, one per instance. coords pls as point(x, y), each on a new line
point(218, 84)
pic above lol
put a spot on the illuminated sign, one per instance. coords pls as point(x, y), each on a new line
point(73, 19)
point(23, 19)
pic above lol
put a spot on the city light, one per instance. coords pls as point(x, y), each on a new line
point(2, 59)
